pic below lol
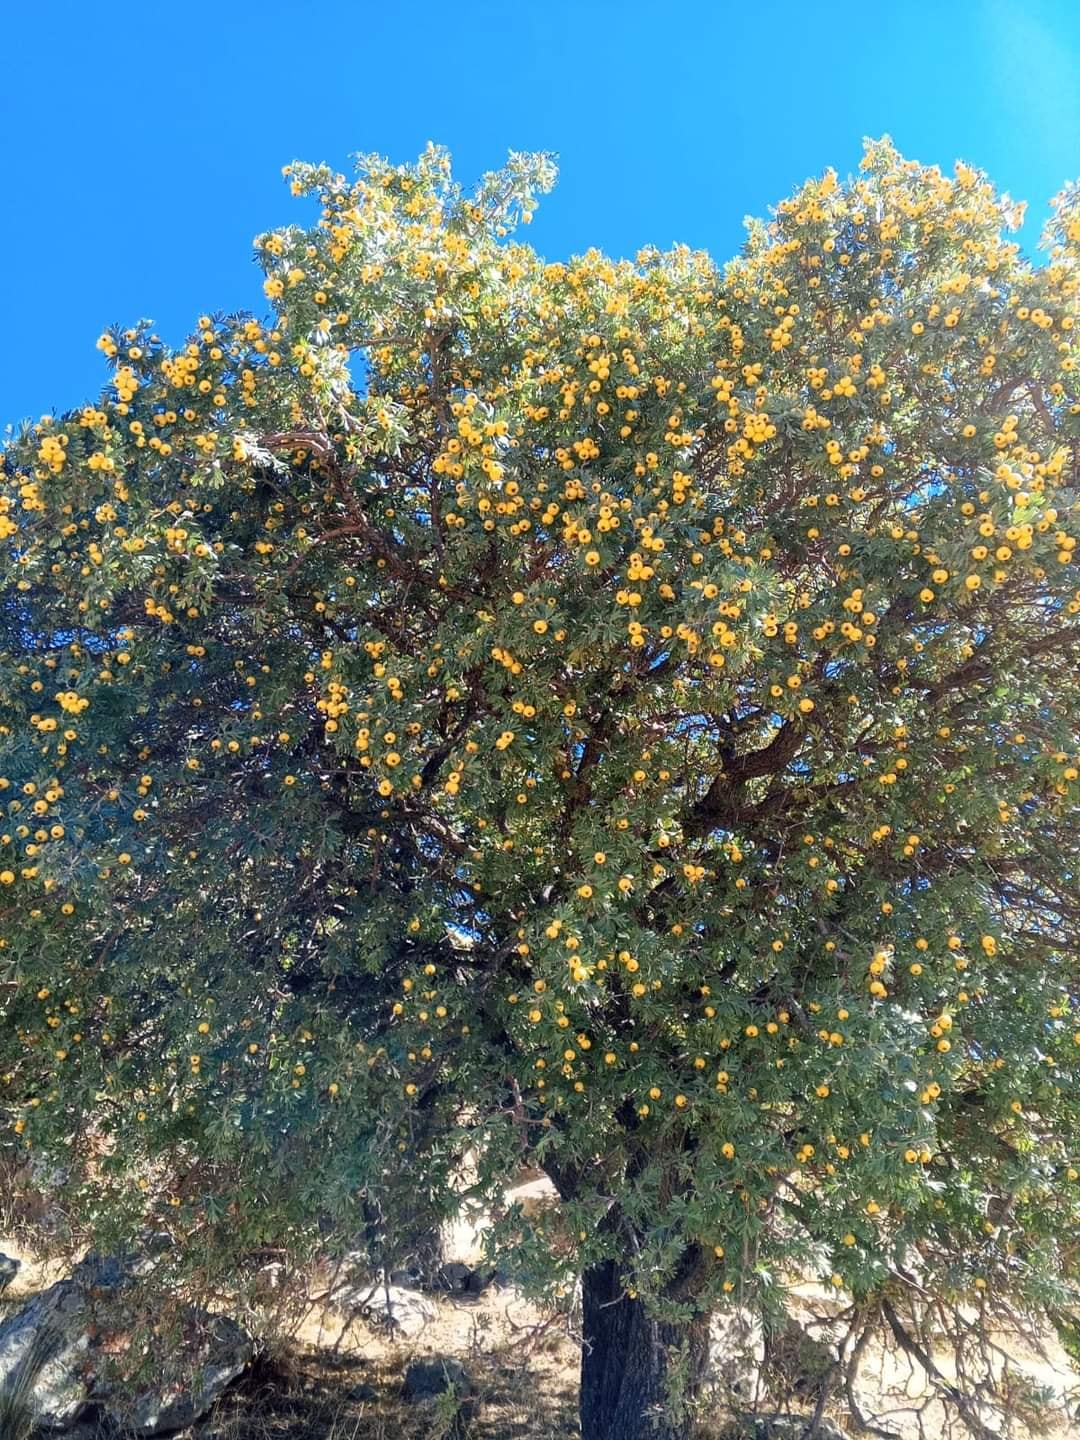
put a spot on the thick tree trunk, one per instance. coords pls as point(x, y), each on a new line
point(625, 1364)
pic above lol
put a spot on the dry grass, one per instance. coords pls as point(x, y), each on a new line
point(307, 1395)
point(340, 1378)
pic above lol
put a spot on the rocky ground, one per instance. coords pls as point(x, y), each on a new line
point(345, 1375)
point(342, 1377)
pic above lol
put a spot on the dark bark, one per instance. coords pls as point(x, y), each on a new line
point(626, 1362)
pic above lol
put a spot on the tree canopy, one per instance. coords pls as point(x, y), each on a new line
point(617, 714)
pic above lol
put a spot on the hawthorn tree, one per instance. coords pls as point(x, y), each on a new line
point(619, 715)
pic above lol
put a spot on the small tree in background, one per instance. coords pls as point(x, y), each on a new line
point(616, 715)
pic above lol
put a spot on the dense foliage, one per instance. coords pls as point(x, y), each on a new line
point(615, 714)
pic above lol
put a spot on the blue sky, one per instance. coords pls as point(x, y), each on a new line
point(141, 145)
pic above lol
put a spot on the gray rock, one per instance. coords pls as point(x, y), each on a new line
point(410, 1279)
point(362, 1393)
point(9, 1268)
point(736, 1352)
point(437, 1375)
point(394, 1306)
point(211, 1352)
point(441, 1387)
point(454, 1277)
point(44, 1357)
point(48, 1362)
